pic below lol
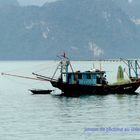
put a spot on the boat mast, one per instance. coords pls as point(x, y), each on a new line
point(64, 68)
point(129, 68)
point(136, 69)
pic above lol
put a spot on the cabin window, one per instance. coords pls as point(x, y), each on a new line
point(88, 76)
point(98, 79)
point(69, 76)
point(79, 76)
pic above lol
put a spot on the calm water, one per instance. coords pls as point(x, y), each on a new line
point(43, 117)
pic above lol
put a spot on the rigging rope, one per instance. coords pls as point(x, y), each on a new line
point(37, 67)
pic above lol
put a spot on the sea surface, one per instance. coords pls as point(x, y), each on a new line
point(24, 116)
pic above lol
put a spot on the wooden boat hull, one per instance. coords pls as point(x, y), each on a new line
point(77, 90)
point(40, 91)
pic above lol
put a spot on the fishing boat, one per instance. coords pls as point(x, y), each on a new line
point(76, 83)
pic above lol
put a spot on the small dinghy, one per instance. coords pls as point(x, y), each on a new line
point(41, 91)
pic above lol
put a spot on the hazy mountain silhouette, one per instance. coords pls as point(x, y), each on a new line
point(84, 29)
point(131, 7)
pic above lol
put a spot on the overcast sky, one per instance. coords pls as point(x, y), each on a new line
point(34, 2)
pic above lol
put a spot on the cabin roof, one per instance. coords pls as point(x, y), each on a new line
point(87, 72)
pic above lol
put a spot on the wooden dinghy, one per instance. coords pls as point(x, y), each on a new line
point(40, 91)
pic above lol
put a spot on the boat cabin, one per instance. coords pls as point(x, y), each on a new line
point(85, 78)
point(92, 77)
